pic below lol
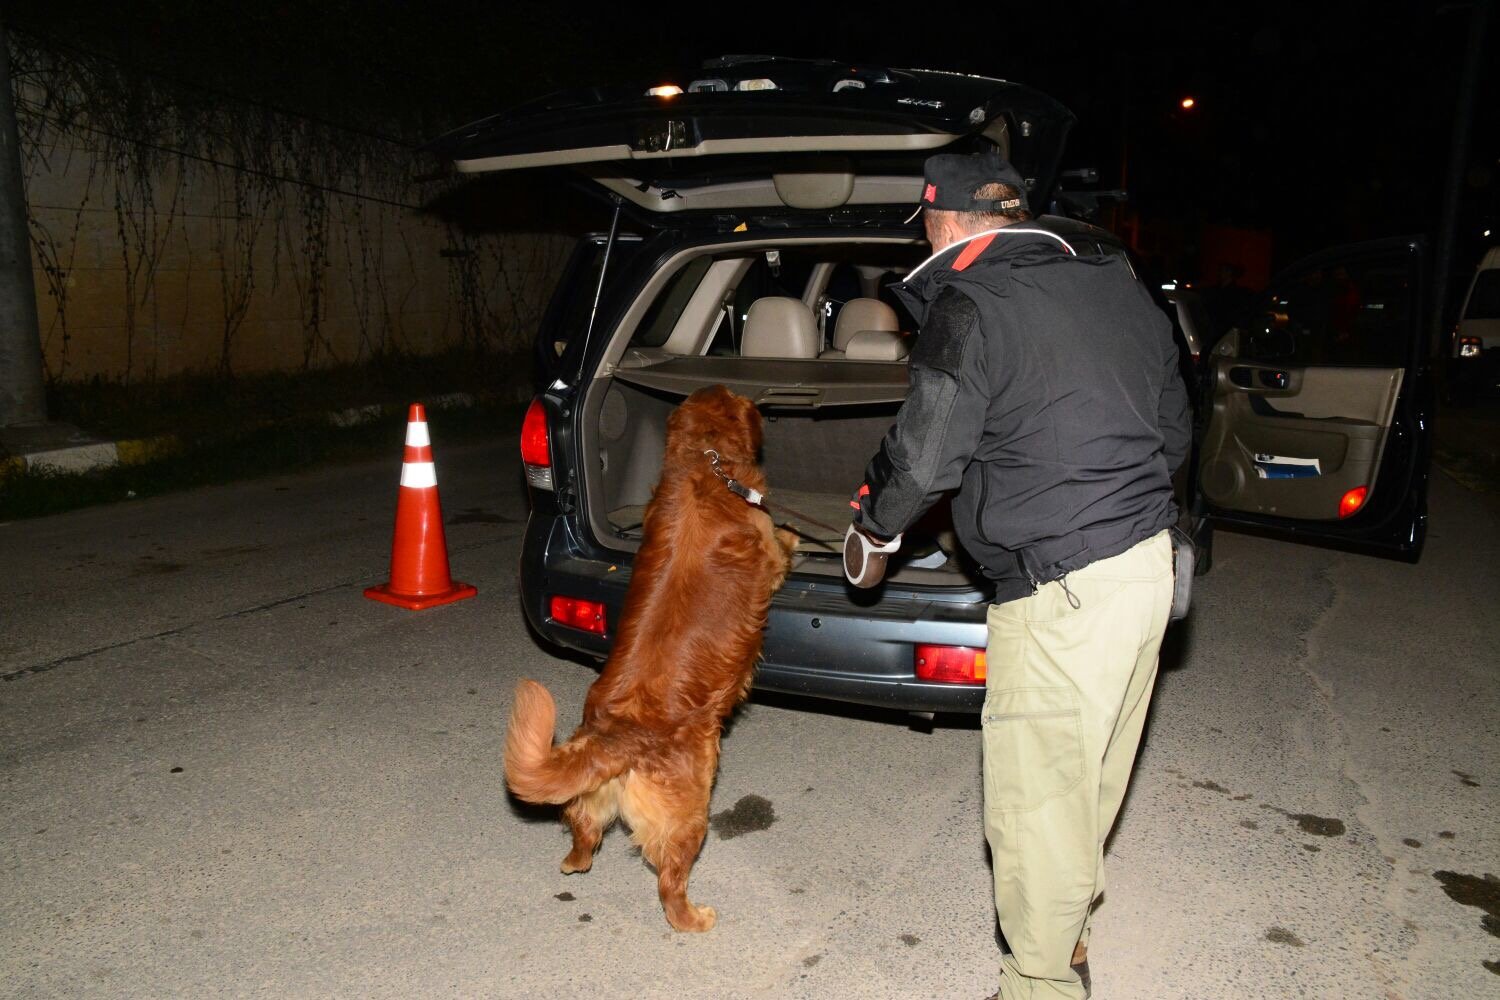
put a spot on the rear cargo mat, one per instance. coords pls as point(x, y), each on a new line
point(829, 507)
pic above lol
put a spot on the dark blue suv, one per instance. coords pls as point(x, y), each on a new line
point(759, 219)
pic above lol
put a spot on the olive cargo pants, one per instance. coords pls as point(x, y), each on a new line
point(1066, 697)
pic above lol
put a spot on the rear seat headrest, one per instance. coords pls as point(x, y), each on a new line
point(779, 327)
point(877, 345)
point(862, 314)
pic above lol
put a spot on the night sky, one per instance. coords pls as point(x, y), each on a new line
point(1325, 122)
point(1322, 122)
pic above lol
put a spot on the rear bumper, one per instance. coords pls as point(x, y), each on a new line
point(819, 642)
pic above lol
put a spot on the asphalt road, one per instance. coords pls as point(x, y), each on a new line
point(225, 773)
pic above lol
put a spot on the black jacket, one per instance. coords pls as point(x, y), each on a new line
point(1045, 388)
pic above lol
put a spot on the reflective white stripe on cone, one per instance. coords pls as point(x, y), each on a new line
point(418, 475)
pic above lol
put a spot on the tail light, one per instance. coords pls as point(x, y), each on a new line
point(536, 450)
point(950, 664)
point(577, 613)
point(1470, 347)
point(1353, 501)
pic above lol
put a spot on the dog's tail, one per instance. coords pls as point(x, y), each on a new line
point(539, 772)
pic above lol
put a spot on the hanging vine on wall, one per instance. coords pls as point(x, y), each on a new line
point(358, 241)
point(314, 214)
point(238, 234)
point(151, 147)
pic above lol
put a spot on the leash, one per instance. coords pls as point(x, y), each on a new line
point(756, 498)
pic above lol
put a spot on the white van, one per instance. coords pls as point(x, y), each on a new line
point(1475, 351)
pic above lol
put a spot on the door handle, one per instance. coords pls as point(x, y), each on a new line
point(1274, 379)
point(788, 396)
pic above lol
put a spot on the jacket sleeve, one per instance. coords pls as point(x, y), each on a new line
point(937, 429)
point(1174, 414)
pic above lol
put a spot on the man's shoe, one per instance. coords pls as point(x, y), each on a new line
point(1081, 967)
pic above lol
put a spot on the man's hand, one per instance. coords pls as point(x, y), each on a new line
point(865, 556)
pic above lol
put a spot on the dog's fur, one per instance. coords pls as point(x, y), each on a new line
point(685, 649)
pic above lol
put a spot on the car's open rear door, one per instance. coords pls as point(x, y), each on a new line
point(747, 133)
point(1320, 413)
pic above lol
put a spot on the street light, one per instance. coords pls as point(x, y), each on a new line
point(1188, 103)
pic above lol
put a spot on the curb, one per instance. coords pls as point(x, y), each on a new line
point(82, 458)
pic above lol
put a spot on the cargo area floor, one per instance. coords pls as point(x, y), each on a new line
point(921, 551)
point(828, 507)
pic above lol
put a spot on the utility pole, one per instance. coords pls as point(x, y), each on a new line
point(22, 392)
point(1458, 158)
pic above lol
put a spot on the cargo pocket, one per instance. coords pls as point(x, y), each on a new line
point(1033, 746)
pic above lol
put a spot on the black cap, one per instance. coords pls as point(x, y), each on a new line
point(950, 180)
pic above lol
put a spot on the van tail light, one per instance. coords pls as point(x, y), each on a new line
point(950, 664)
point(536, 449)
point(1353, 501)
point(1470, 347)
point(577, 613)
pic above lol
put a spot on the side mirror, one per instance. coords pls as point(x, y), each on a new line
point(1228, 345)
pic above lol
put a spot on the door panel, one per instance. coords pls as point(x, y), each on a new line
point(1316, 425)
point(1335, 417)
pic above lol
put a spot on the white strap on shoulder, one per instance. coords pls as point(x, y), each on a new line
point(989, 232)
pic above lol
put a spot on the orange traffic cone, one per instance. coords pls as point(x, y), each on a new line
point(419, 553)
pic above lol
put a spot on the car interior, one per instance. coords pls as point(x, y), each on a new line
point(811, 332)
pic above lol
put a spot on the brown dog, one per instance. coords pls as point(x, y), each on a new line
point(689, 635)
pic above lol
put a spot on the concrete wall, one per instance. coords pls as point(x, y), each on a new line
point(154, 262)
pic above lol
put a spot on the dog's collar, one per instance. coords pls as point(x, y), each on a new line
point(753, 497)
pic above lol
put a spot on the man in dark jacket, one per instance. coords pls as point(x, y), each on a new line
point(1044, 387)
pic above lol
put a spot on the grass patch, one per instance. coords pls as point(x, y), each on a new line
point(245, 453)
point(1473, 470)
point(241, 427)
point(198, 405)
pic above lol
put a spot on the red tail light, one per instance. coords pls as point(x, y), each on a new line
point(536, 450)
point(576, 613)
point(950, 664)
point(1353, 500)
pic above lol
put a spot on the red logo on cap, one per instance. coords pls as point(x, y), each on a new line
point(930, 194)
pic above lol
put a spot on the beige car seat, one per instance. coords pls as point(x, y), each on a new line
point(779, 327)
point(859, 315)
point(877, 345)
